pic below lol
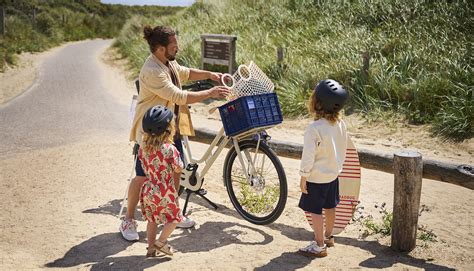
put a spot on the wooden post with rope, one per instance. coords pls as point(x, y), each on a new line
point(408, 172)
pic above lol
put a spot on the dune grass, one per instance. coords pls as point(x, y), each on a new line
point(419, 52)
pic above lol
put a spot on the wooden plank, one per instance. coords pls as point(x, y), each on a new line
point(458, 174)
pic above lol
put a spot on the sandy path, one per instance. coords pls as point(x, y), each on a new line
point(61, 190)
point(64, 216)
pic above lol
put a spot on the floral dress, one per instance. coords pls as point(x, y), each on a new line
point(158, 196)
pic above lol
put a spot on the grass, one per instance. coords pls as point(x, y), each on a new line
point(419, 52)
point(258, 202)
point(35, 26)
point(426, 235)
point(384, 227)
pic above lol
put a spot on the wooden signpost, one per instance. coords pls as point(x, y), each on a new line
point(218, 53)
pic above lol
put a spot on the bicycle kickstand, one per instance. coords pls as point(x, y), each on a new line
point(201, 192)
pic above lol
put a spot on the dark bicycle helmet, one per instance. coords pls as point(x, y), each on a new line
point(156, 119)
point(331, 95)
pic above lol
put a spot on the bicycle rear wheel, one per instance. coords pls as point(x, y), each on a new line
point(261, 198)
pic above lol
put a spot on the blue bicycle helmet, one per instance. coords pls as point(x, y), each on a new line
point(331, 95)
point(156, 119)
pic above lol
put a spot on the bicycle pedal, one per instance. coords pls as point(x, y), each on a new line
point(202, 192)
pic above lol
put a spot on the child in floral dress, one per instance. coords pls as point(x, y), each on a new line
point(162, 165)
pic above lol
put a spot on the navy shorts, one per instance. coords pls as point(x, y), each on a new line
point(320, 196)
point(139, 169)
point(138, 165)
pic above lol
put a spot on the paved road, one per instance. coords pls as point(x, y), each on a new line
point(68, 102)
point(63, 153)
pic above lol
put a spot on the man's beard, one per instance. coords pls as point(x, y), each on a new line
point(170, 57)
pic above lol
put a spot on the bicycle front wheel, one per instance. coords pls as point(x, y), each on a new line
point(258, 190)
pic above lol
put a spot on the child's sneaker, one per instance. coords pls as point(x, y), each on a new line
point(329, 241)
point(186, 223)
point(313, 250)
point(128, 228)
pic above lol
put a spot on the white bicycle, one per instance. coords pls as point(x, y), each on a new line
point(252, 173)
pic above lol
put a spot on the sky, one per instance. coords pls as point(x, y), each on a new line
point(182, 3)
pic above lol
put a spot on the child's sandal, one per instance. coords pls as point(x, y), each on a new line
point(164, 247)
point(151, 253)
point(329, 241)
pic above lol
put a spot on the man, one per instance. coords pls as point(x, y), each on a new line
point(160, 84)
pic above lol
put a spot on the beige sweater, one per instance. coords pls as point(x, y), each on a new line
point(157, 88)
point(324, 151)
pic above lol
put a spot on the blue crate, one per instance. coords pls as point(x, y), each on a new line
point(249, 112)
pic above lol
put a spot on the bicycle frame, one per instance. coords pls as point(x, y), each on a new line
point(209, 157)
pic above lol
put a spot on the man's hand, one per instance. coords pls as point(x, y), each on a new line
point(219, 92)
point(215, 76)
point(303, 187)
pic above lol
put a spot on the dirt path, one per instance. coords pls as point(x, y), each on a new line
point(63, 174)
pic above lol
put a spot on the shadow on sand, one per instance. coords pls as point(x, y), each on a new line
point(212, 235)
point(225, 233)
point(113, 208)
point(96, 252)
point(384, 256)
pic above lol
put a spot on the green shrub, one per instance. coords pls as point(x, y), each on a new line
point(45, 24)
point(455, 119)
point(373, 227)
point(426, 235)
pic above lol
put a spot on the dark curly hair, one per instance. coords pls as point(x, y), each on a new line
point(160, 35)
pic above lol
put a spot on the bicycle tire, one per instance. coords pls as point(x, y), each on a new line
point(282, 182)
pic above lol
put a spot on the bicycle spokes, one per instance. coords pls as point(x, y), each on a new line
point(257, 185)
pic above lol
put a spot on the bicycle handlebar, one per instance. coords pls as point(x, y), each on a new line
point(198, 86)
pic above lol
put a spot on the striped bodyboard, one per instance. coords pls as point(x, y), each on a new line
point(349, 189)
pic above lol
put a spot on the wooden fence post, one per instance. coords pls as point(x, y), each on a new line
point(2, 21)
point(365, 65)
point(408, 172)
point(34, 19)
point(280, 54)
